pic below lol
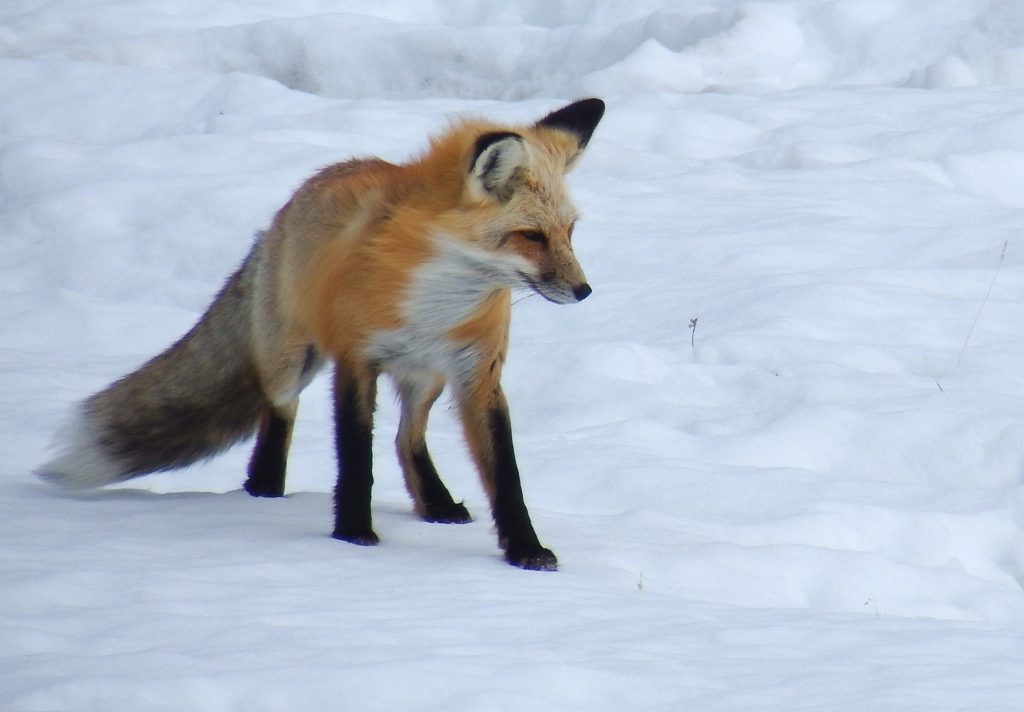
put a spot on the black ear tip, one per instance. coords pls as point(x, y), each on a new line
point(580, 117)
point(592, 105)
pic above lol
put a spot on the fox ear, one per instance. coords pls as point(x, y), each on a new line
point(497, 159)
point(579, 119)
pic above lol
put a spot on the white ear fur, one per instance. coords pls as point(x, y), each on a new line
point(500, 157)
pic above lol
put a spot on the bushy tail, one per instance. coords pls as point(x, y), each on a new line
point(195, 399)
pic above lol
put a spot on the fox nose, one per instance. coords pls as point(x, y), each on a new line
point(582, 292)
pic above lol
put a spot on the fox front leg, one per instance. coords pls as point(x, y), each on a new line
point(489, 432)
point(431, 499)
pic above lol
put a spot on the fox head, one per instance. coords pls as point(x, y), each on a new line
point(517, 177)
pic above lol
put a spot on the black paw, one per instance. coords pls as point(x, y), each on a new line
point(453, 513)
point(532, 558)
point(363, 537)
point(257, 489)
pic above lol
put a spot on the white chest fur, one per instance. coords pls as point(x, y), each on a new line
point(444, 292)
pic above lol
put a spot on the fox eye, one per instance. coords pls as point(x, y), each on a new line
point(535, 236)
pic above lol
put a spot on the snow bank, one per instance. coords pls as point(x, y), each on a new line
point(363, 49)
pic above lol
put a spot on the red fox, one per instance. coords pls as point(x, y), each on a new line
point(381, 268)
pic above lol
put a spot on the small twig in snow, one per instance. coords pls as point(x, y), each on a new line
point(984, 301)
point(693, 331)
point(872, 602)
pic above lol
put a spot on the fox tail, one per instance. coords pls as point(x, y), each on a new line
point(190, 402)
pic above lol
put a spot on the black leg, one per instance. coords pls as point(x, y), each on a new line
point(270, 456)
point(515, 530)
point(433, 501)
point(436, 501)
point(489, 432)
point(353, 414)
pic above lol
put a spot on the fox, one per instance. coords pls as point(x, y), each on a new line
point(404, 270)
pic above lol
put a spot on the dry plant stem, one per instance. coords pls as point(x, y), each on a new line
point(984, 301)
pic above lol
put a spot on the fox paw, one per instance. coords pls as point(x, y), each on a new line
point(257, 489)
point(533, 558)
point(364, 537)
point(454, 513)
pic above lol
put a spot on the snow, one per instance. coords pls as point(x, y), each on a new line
point(808, 499)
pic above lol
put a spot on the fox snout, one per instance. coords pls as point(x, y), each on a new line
point(551, 269)
point(564, 281)
point(561, 291)
point(565, 277)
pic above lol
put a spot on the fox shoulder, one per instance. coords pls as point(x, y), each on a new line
point(338, 187)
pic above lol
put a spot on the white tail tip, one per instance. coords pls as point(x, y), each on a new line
point(81, 464)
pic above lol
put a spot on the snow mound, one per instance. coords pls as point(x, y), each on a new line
point(510, 51)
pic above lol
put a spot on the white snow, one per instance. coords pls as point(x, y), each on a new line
point(810, 499)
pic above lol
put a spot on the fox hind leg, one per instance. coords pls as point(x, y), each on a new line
point(431, 499)
point(282, 377)
point(355, 395)
point(269, 457)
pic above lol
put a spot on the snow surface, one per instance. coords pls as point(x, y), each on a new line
point(808, 499)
